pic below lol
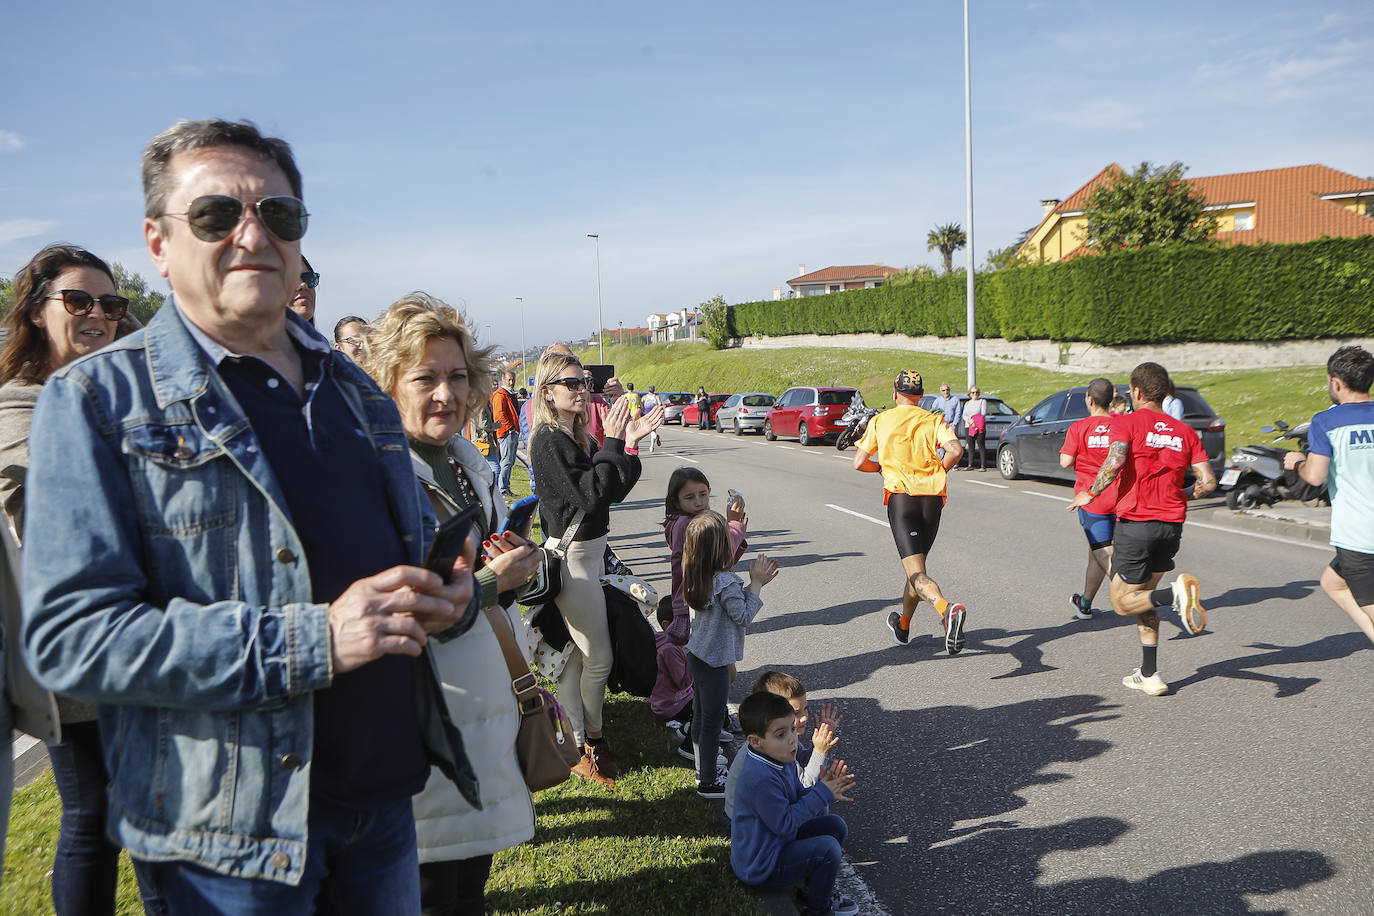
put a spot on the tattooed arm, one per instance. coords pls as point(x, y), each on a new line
point(1115, 461)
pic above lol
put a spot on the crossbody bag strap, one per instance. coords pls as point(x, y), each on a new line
point(522, 681)
point(567, 537)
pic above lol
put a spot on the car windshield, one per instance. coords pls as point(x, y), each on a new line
point(679, 397)
point(998, 408)
point(719, 398)
point(758, 400)
point(1194, 405)
point(835, 398)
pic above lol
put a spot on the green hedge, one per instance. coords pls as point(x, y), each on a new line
point(1162, 294)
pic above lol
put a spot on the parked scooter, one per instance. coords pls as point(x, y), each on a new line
point(854, 420)
point(1256, 476)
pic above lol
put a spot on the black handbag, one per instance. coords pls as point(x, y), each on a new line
point(547, 581)
point(634, 653)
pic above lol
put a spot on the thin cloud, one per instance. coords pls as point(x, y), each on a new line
point(10, 141)
point(12, 230)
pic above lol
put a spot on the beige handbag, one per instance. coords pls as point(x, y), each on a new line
point(544, 745)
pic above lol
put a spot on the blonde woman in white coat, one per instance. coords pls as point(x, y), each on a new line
point(422, 352)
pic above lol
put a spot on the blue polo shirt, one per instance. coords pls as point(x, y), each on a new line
point(368, 750)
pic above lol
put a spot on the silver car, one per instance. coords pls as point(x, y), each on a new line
point(673, 402)
point(744, 411)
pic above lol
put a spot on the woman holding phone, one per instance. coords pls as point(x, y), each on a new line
point(576, 477)
point(422, 352)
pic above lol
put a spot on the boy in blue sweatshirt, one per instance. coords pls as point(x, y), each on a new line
point(780, 833)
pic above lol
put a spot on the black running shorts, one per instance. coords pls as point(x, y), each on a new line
point(1357, 569)
point(915, 520)
point(1141, 549)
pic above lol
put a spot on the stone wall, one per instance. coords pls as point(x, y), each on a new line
point(1083, 357)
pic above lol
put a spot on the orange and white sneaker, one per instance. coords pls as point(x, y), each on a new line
point(1191, 615)
point(954, 629)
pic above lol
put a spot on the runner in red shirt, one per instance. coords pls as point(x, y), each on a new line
point(1084, 450)
point(1151, 452)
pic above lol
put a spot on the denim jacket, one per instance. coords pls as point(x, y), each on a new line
point(162, 579)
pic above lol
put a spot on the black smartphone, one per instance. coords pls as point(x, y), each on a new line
point(519, 518)
point(448, 542)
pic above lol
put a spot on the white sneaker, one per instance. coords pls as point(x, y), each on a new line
point(1153, 685)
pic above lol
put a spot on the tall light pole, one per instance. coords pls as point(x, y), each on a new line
point(971, 316)
point(600, 326)
point(524, 370)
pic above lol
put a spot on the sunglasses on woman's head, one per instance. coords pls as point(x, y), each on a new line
point(78, 302)
point(213, 217)
point(572, 384)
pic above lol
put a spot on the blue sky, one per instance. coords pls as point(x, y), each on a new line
point(467, 149)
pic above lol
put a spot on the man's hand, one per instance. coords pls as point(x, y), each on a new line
point(392, 612)
point(865, 462)
point(1291, 460)
point(1080, 499)
point(1206, 481)
point(837, 778)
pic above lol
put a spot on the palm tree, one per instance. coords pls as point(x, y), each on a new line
point(948, 238)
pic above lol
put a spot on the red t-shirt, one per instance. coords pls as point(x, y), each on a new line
point(1087, 443)
point(1161, 451)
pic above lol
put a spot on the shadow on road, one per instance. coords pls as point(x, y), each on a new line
point(1247, 596)
point(934, 830)
point(1326, 649)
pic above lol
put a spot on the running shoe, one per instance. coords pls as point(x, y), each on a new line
point(1153, 685)
point(954, 629)
point(1082, 610)
point(1191, 615)
point(900, 635)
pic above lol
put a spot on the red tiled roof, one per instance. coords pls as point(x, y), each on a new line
point(1288, 202)
point(856, 272)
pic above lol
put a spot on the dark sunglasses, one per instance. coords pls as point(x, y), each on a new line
point(572, 384)
point(310, 278)
point(214, 216)
point(79, 303)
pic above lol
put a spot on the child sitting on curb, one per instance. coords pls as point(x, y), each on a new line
point(810, 760)
point(781, 833)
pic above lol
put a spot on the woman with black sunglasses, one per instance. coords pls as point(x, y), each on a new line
point(65, 306)
point(577, 478)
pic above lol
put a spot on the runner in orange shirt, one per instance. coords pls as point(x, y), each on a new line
point(905, 443)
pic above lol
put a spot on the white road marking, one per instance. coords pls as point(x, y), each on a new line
point(867, 518)
point(790, 448)
point(1061, 499)
point(1325, 548)
point(678, 457)
point(984, 483)
point(21, 744)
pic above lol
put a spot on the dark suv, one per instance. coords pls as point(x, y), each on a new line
point(1030, 446)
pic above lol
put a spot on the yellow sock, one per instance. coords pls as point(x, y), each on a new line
point(942, 605)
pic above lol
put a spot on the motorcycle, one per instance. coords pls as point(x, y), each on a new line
point(1256, 476)
point(854, 420)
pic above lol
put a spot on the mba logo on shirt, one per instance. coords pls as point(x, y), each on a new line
point(1361, 438)
point(1156, 440)
point(1099, 442)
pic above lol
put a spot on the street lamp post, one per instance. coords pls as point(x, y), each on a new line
point(600, 325)
point(972, 316)
point(524, 370)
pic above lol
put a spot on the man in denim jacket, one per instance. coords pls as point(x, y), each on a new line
point(256, 645)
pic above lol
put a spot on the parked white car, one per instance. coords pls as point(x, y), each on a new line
point(744, 411)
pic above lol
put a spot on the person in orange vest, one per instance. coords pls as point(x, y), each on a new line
point(507, 418)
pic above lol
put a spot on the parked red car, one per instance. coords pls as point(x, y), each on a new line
point(808, 413)
point(689, 413)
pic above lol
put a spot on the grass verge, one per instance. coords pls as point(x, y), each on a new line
point(1246, 399)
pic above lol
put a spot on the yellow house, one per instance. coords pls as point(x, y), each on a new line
point(1296, 204)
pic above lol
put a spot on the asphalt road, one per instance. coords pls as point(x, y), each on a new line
point(1020, 776)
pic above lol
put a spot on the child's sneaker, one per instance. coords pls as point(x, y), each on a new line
point(715, 788)
point(1082, 610)
point(687, 751)
point(843, 906)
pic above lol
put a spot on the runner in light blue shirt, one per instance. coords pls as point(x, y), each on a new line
point(1341, 440)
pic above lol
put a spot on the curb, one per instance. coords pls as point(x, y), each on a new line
point(1243, 520)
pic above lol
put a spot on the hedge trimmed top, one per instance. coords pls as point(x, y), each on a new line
point(1165, 294)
